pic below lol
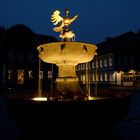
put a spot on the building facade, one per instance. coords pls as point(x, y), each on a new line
point(19, 61)
point(116, 63)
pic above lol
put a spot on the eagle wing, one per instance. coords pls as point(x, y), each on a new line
point(56, 18)
point(71, 20)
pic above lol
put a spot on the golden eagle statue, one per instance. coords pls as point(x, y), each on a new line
point(65, 22)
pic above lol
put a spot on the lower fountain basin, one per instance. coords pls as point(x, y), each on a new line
point(26, 111)
point(97, 116)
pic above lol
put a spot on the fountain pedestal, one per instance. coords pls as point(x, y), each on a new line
point(67, 55)
point(67, 81)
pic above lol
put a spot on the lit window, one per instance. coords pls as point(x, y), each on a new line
point(101, 63)
point(97, 77)
point(110, 61)
point(89, 66)
point(30, 74)
point(111, 77)
point(49, 74)
point(93, 65)
point(81, 77)
point(84, 66)
point(79, 67)
point(97, 64)
point(10, 74)
point(20, 76)
point(106, 77)
point(89, 77)
point(101, 77)
point(105, 62)
point(84, 79)
point(93, 77)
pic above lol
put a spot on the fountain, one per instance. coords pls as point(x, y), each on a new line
point(75, 113)
point(66, 55)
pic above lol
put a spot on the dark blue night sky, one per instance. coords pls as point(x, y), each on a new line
point(98, 19)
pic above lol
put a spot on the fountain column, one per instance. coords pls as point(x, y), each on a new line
point(67, 81)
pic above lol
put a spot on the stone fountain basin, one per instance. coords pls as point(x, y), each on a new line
point(70, 53)
point(102, 111)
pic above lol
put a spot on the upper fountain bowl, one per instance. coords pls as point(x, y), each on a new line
point(67, 53)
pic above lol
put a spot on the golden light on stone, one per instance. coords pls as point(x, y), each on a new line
point(65, 22)
point(95, 98)
point(40, 99)
point(66, 34)
point(66, 55)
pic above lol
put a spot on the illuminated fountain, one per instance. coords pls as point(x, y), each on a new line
point(66, 55)
point(68, 110)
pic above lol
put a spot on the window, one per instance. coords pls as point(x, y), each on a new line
point(101, 77)
point(93, 65)
point(20, 76)
point(105, 63)
point(101, 63)
point(97, 64)
point(97, 77)
point(10, 57)
point(111, 77)
point(89, 66)
point(21, 57)
point(106, 77)
point(49, 74)
point(93, 77)
point(81, 77)
point(84, 79)
point(84, 66)
point(30, 74)
point(10, 74)
point(79, 67)
point(110, 61)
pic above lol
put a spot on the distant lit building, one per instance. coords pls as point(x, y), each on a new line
point(117, 62)
point(19, 58)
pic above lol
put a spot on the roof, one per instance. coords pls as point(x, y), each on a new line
point(127, 41)
point(21, 38)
